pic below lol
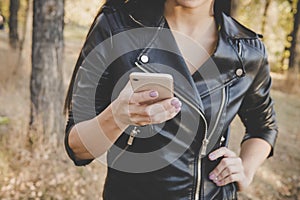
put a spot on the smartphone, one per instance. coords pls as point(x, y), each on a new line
point(162, 83)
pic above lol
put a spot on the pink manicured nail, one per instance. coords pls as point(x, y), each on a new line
point(176, 103)
point(212, 177)
point(153, 94)
point(212, 156)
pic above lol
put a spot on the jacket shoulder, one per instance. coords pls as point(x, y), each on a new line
point(238, 32)
point(235, 29)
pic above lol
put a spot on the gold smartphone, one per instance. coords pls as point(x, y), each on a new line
point(162, 83)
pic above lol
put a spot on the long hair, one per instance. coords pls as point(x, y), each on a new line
point(219, 7)
point(222, 6)
point(68, 99)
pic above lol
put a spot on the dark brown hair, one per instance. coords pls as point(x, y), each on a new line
point(68, 99)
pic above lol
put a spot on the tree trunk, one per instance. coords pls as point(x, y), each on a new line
point(296, 63)
point(13, 23)
point(265, 17)
point(0, 7)
point(46, 85)
point(234, 7)
point(27, 30)
point(293, 36)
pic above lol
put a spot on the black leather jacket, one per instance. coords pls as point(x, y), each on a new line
point(169, 160)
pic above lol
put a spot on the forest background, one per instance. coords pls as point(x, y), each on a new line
point(33, 162)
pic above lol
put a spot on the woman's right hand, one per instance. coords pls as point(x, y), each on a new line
point(132, 108)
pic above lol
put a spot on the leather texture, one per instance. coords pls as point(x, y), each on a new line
point(239, 85)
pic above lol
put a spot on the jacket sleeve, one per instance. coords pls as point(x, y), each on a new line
point(90, 78)
point(257, 112)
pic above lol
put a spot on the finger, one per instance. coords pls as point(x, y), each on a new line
point(139, 120)
point(154, 113)
point(225, 163)
point(142, 119)
point(164, 110)
point(221, 152)
point(229, 179)
point(163, 107)
point(138, 110)
point(164, 116)
point(231, 169)
point(141, 97)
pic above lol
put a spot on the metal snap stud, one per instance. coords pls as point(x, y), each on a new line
point(239, 72)
point(144, 59)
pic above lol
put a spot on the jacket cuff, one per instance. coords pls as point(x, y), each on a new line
point(71, 153)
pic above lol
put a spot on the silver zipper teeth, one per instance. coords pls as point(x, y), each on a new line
point(219, 114)
point(205, 140)
point(204, 144)
point(197, 194)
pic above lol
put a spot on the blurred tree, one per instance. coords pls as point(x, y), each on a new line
point(46, 85)
point(265, 16)
point(26, 20)
point(13, 23)
point(293, 36)
point(24, 46)
point(289, 52)
point(0, 6)
point(234, 7)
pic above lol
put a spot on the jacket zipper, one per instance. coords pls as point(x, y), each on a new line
point(132, 135)
point(203, 153)
point(204, 142)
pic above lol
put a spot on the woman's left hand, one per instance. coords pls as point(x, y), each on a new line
point(230, 169)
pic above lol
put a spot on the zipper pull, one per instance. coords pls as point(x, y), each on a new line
point(132, 135)
point(222, 140)
point(204, 147)
point(239, 48)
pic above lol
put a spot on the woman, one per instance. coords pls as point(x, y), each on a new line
point(175, 148)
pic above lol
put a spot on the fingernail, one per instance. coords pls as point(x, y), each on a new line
point(212, 156)
point(212, 177)
point(153, 94)
point(177, 106)
point(176, 103)
point(178, 109)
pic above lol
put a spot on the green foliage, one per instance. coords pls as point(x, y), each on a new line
point(278, 27)
point(4, 120)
